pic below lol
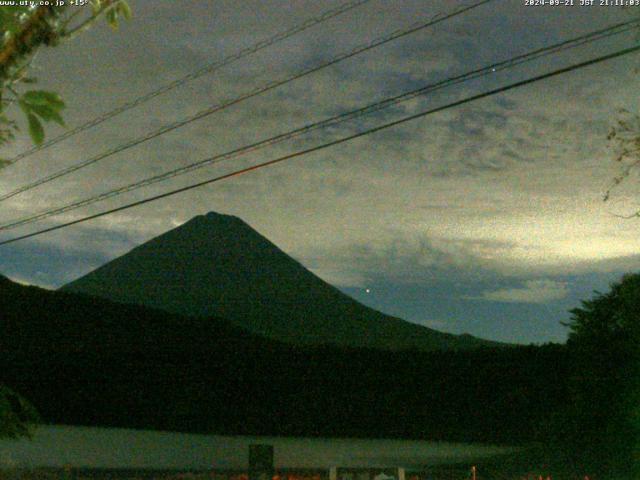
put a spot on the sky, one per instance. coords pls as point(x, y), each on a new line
point(485, 219)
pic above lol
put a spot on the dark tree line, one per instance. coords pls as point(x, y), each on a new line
point(599, 429)
point(92, 362)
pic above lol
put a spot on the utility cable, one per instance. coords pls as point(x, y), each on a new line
point(212, 67)
point(300, 153)
point(335, 120)
point(253, 93)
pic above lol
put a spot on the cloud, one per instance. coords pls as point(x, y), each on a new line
point(509, 184)
point(341, 277)
point(533, 291)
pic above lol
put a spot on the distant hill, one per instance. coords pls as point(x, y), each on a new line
point(87, 361)
point(217, 265)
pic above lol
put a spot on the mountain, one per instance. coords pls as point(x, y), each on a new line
point(88, 361)
point(217, 265)
point(82, 360)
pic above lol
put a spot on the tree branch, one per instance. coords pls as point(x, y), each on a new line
point(35, 31)
point(84, 24)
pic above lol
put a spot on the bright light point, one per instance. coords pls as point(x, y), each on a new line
point(368, 290)
point(493, 69)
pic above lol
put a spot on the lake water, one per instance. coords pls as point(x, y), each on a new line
point(58, 446)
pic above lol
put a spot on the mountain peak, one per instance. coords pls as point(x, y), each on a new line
point(213, 221)
point(216, 217)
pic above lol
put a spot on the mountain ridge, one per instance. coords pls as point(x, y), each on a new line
point(82, 360)
point(217, 265)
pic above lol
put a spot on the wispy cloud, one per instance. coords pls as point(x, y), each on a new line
point(504, 188)
point(532, 291)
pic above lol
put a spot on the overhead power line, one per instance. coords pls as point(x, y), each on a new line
point(210, 68)
point(323, 146)
point(335, 120)
point(252, 93)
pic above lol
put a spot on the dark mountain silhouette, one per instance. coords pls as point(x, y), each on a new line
point(217, 265)
point(87, 361)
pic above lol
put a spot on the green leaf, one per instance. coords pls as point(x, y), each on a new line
point(125, 10)
point(25, 107)
point(17, 415)
point(96, 6)
point(35, 129)
point(47, 114)
point(112, 18)
point(42, 97)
